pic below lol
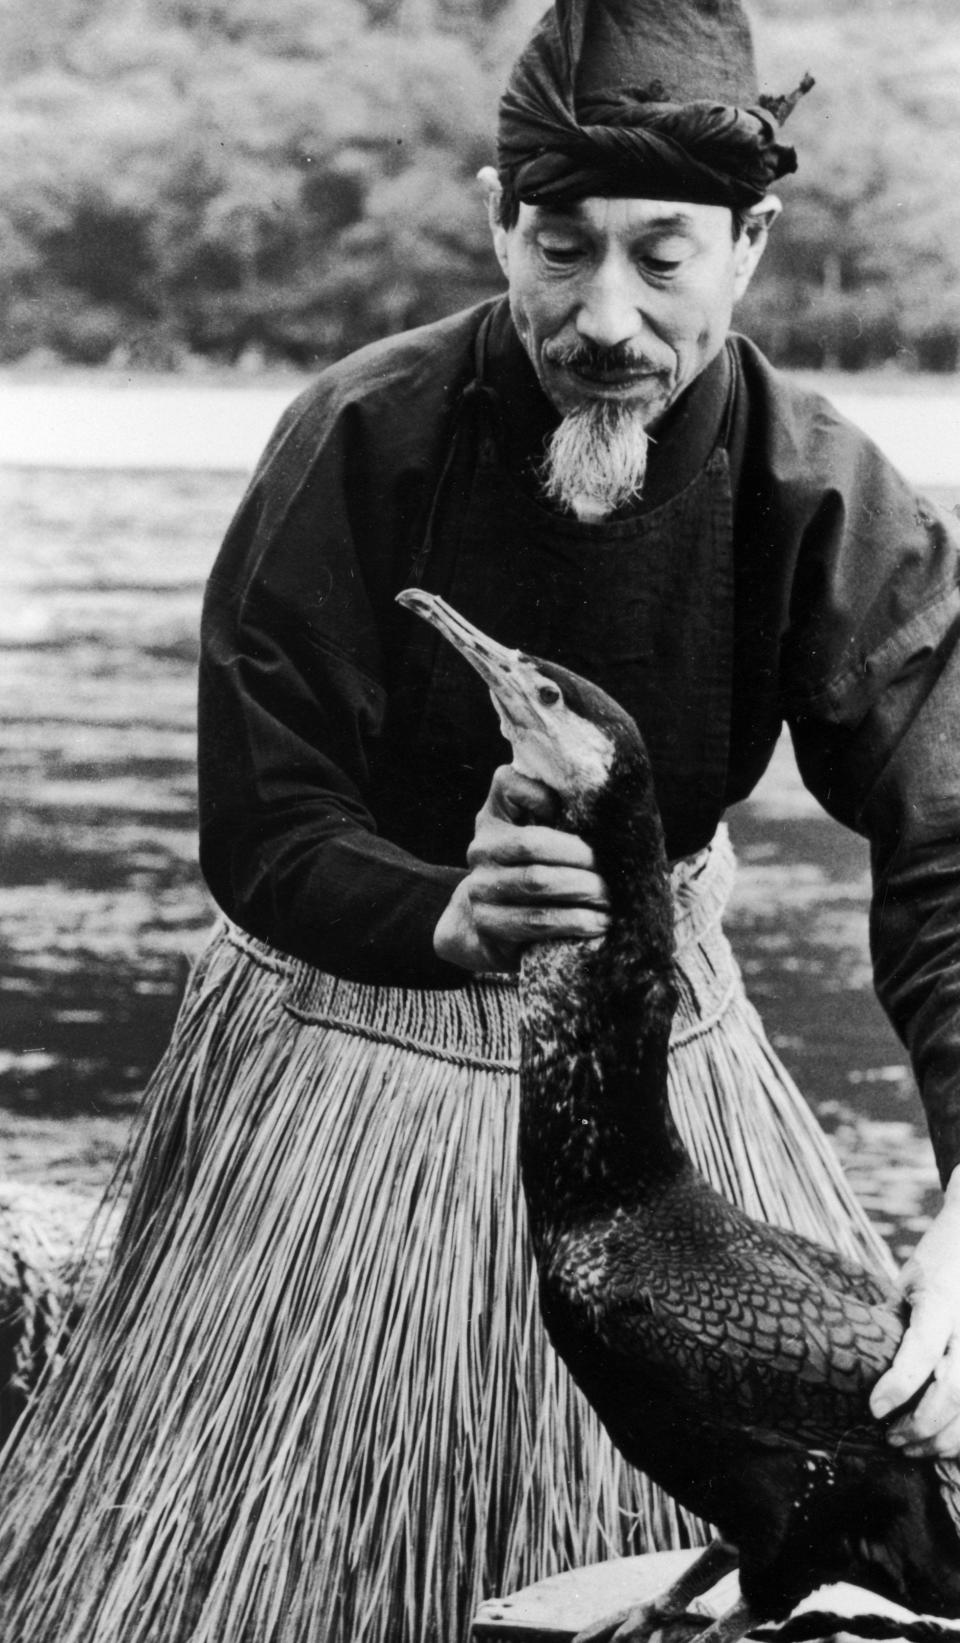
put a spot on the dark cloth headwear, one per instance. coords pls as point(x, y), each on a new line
point(651, 99)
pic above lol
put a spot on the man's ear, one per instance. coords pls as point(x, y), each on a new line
point(490, 184)
point(751, 245)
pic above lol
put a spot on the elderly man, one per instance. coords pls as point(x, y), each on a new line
point(317, 1386)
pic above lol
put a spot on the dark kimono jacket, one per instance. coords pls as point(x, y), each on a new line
point(340, 771)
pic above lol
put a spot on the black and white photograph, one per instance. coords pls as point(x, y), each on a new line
point(479, 821)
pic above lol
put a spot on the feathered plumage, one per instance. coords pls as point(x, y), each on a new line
point(729, 1360)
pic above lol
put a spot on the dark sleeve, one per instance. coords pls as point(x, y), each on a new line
point(872, 680)
point(292, 698)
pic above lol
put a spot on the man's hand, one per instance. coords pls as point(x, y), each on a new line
point(930, 1349)
point(527, 882)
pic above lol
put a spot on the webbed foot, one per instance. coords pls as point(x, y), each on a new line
point(644, 1623)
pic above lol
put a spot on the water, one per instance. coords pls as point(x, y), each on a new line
point(101, 903)
point(799, 925)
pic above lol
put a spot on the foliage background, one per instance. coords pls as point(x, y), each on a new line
point(227, 180)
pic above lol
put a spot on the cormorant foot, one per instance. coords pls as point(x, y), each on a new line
point(644, 1623)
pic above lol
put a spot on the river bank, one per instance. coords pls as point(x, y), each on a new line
point(147, 423)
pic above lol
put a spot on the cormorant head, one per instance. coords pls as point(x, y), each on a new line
point(563, 731)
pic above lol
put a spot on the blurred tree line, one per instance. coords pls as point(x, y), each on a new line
point(236, 180)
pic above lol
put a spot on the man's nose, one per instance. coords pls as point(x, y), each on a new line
point(610, 311)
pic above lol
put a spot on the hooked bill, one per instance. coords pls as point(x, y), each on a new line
point(551, 741)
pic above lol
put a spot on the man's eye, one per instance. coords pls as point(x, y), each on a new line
point(560, 255)
point(662, 265)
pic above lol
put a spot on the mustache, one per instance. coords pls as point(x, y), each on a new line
point(593, 358)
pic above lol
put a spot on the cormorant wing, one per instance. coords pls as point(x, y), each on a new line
point(820, 1264)
point(744, 1323)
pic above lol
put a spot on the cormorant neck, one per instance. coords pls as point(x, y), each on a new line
point(596, 1128)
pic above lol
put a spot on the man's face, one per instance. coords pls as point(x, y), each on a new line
point(623, 299)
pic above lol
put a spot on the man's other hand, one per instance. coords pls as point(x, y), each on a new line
point(527, 882)
point(930, 1349)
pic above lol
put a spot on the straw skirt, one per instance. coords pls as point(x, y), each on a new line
point(312, 1402)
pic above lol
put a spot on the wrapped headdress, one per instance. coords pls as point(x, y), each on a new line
point(652, 99)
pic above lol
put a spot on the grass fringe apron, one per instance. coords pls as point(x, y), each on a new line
point(313, 1403)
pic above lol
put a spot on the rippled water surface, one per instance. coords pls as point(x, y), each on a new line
point(100, 899)
point(101, 905)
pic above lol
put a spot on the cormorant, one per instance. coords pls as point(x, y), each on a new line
point(729, 1360)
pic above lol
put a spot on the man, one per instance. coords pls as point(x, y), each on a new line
point(318, 1397)
point(623, 273)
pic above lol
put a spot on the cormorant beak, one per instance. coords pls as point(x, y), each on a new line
point(550, 742)
point(511, 677)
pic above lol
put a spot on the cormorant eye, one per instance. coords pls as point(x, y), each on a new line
point(548, 695)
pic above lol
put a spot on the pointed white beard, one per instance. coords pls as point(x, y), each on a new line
point(596, 460)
